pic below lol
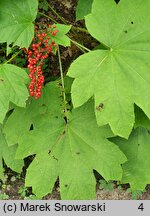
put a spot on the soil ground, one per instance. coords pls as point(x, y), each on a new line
point(13, 185)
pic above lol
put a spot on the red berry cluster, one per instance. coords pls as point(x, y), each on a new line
point(42, 46)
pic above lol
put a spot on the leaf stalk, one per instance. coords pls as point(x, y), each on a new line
point(63, 85)
point(13, 56)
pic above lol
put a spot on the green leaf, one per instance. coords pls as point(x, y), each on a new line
point(61, 38)
point(78, 148)
point(136, 194)
point(44, 172)
point(109, 186)
point(118, 77)
point(8, 154)
point(84, 7)
point(136, 148)
point(68, 82)
point(16, 22)
point(14, 131)
point(34, 113)
point(141, 119)
point(12, 87)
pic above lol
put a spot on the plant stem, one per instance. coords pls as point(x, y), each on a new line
point(48, 17)
point(63, 84)
point(13, 56)
point(73, 27)
point(80, 29)
point(80, 48)
point(55, 12)
point(79, 45)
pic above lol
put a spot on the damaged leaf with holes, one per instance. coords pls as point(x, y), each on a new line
point(34, 114)
point(71, 152)
point(117, 77)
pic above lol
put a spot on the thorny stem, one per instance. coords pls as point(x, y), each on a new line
point(13, 56)
point(63, 84)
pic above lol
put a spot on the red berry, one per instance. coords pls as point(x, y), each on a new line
point(40, 50)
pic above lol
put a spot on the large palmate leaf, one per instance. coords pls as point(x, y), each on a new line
point(12, 87)
point(137, 148)
point(84, 7)
point(33, 114)
point(71, 151)
point(16, 21)
point(120, 76)
point(8, 154)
